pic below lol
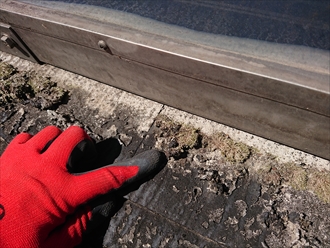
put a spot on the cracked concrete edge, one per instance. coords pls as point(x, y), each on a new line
point(106, 99)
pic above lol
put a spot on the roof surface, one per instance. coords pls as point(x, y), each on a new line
point(221, 187)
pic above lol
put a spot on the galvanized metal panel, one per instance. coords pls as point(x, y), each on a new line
point(282, 103)
point(286, 84)
point(11, 43)
point(281, 122)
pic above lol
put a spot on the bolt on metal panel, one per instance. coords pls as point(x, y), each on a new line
point(11, 43)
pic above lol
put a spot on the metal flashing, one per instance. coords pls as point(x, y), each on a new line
point(291, 108)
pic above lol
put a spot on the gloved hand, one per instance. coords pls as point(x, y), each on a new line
point(42, 204)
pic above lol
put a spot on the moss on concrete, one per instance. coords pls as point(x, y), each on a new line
point(297, 177)
point(182, 136)
point(23, 87)
point(270, 175)
point(180, 139)
point(6, 70)
point(177, 138)
point(235, 152)
point(188, 137)
point(294, 175)
point(319, 183)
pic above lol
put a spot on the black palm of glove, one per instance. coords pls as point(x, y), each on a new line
point(88, 156)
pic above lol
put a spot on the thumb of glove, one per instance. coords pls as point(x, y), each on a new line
point(104, 205)
point(149, 163)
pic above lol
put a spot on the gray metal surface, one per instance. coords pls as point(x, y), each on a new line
point(295, 113)
point(12, 43)
point(303, 89)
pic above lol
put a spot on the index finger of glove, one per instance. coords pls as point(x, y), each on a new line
point(21, 138)
point(41, 139)
point(62, 147)
point(89, 185)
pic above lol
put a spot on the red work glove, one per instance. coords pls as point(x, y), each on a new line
point(41, 203)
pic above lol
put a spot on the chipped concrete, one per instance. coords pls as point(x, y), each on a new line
point(281, 152)
point(221, 188)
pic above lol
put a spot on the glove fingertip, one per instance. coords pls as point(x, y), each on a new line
point(149, 164)
point(76, 131)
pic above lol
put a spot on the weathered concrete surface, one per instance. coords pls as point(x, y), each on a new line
point(221, 187)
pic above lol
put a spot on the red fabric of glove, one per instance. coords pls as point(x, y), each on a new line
point(39, 197)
